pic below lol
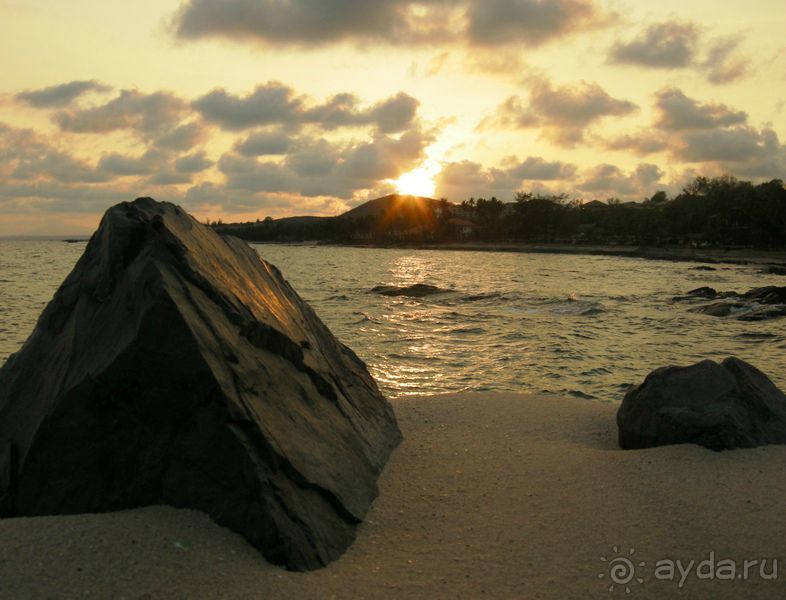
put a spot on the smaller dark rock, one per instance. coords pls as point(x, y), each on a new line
point(418, 290)
point(703, 292)
point(774, 270)
point(719, 309)
point(703, 268)
point(718, 406)
point(767, 295)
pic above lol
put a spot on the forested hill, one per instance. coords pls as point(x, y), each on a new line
point(709, 212)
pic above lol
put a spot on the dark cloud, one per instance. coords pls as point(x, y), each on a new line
point(535, 168)
point(301, 22)
point(641, 143)
point(121, 165)
point(610, 181)
point(679, 45)
point(528, 22)
point(145, 113)
point(563, 113)
point(317, 167)
point(58, 96)
point(265, 143)
point(276, 104)
point(678, 112)
point(735, 144)
point(723, 62)
point(671, 44)
point(317, 22)
point(183, 137)
point(465, 179)
point(57, 166)
point(193, 163)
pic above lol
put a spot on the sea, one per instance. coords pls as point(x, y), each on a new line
point(591, 327)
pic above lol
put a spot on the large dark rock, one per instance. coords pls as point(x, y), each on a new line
point(718, 406)
point(173, 366)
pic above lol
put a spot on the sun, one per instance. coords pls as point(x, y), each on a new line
point(418, 182)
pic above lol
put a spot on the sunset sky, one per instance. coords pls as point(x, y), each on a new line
point(241, 109)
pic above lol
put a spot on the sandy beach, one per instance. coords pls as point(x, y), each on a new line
point(490, 495)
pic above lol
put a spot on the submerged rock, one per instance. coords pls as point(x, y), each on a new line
point(718, 406)
point(174, 366)
point(418, 290)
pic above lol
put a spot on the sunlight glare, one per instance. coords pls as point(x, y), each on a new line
point(418, 182)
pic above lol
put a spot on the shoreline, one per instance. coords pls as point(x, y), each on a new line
point(755, 257)
point(490, 495)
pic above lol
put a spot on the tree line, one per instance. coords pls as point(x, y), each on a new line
point(708, 212)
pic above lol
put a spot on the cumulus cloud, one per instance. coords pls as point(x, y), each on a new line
point(122, 165)
point(678, 112)
point(317, 22)
point(183, 137)
point(642, 143)
point(147, 113)
point(58, 96)
point(465, 179)
point(680, 45)
point(608, 180)
point(670, 44)
point(563, 112)
point(318, 167)
point(739, 144)
point(193, 163)
point(535, 168)
point(265, 143)
point(528, 22)
point(723, 62)
point(276, 103)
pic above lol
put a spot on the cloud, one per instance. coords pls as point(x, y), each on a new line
point(193, 163)
point(277, 104)
point(122, 165)
point(465, 179)
point(723, 64)
point(671, 44)
point(678, 112)
point(318, 167)
point(610, 181)
point(527, 22)
point(58, 96)
point(535, 168)
point(680, 45)
point(298, 22)
point(56, 166)
point(313, 23)
point(183, 137)
point(563, 113)
point(146, 113)
point(265, 143)
point(736, 144)
point(641, 143)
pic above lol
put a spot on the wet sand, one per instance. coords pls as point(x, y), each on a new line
point(490, 495)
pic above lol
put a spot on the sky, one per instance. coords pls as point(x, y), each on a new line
point(242, 109)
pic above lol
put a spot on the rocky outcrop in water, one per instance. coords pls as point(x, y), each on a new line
point(417, 290)
point(718, 406)
point(757, 304)
point(173, 366)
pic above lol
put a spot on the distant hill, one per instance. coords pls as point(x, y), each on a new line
point(393, 215)
point(392, 206)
